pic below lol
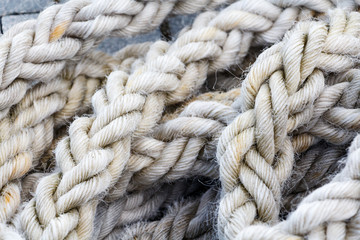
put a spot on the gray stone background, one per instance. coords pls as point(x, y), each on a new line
point(16, 11)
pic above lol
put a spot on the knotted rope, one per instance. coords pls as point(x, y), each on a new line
point(255, 152)
point(116, 165)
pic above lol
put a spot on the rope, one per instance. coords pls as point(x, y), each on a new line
point(339, 201)
point(186, 219)
point(121, 164)
point(37, 50)
point(255, 152)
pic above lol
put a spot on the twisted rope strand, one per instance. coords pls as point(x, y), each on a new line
point(141, 206)
point(157, 159)
point(312, 170)
point(28, 128)
point(110, 115)
point(176, 156)
point(338, 202)
point(254, 152)
point(37, 50)
point(97, 154)
point(46, 107)
point(190, 219)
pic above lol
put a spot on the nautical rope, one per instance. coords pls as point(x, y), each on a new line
point(141, 205)
point(255, 153)
point(28, 130)
point(181, 64)
point(37, 50)
point(186, 219)
point(339, 201)
point(29, 126)
point(116, 164)
point(313, 169)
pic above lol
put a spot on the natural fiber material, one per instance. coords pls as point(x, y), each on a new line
point(339, 204)
point(256, 147)
point(150, 158)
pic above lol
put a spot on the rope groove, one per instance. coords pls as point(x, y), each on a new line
point(134, 146)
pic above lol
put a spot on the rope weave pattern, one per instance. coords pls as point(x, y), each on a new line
point(339, 201)
point(149, 158)
point(255, 149)
point(38, 49)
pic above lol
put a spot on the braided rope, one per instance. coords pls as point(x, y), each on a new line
point(151, 230)
point(190, 219)
point(177, 156)
point(312, 170)
point(118, 149)
point(31, 126)
point(140, 206)
point(160, 161)
point(37, 50)
point(47, 106)
point(255, 152)
point(173, 128)
point(107, 101)
point(339, 201)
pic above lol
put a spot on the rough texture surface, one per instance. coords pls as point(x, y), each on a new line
point(11, 7)
point(10, 20)
point(13, 12)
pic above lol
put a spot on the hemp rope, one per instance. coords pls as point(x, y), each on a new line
point(149, 229)
point(312, 170)
point(339, 201)
point(258, 152)
point(117, 166)
point(61, 113)
point(28, 128)
point(14, 33)
point(178, 158)
point(140, 206)
point(28, 118)
point(200, 107)
point(204, 167)
point(37, 50)
point(331, 116)
point(70, 7)
point(163, 167)
point(31, 127)
point(190, 219)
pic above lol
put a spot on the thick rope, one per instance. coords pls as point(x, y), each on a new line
point(191, 219)
point(141, 206)
point(340, 209)
point(29, 126)
point(118, 149)
point(204, 223)
point(169, 154)
point(37, 50)
point(29, 129)
point(255, 153)
point(191, 70)
point(312, 170)
point(46, 107)
point(185, 152)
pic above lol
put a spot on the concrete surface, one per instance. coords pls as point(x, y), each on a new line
point(16, 11)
